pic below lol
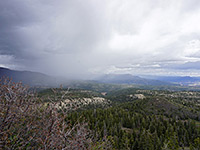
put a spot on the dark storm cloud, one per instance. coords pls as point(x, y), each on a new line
point(34, 31)
point(15, 13)
point(99, 36)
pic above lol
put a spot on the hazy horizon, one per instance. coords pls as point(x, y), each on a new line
point(93, 37)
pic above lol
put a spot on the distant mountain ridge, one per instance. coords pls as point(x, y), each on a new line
point(183, 80)
point(36, 79)
point(28, 77)
point(130, 79)
point(180, 79)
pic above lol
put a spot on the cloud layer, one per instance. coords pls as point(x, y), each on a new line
point(79, 38)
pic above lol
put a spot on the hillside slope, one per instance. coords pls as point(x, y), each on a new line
point(28, 77)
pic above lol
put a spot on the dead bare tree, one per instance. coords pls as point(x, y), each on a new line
point(26, 123)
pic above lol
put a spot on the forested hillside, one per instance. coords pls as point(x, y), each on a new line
point(144, 124)
point(128, 118)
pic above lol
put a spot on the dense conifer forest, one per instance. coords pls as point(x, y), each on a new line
point(134, 125)
point(127, 118)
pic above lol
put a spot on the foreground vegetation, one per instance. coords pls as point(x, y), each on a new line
point(26, 122)
point(126, 118)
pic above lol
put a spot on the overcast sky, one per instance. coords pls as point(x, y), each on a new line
point(83, 37)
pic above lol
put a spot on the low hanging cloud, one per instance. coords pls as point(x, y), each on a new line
point(75, 37)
